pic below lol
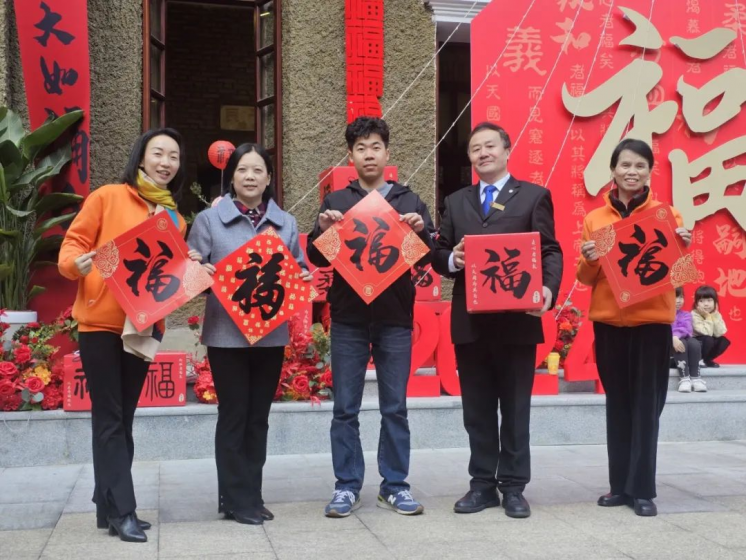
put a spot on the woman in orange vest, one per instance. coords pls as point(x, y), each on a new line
point(633, 345)
point(113, 353)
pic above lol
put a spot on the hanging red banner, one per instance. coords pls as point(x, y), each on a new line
point(259, 286)
point(149, 271)
point(642, 256)
point(53, 38)
point(371, 247)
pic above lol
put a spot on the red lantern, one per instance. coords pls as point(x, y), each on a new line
point(219, 152)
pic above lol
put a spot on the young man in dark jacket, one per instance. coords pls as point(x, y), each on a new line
point(383, 327)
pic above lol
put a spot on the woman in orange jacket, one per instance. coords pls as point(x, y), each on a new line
point(113, 361)
point(633, 345)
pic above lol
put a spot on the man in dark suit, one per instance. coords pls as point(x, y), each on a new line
point(496, 352)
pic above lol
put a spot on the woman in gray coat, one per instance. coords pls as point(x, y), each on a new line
point(245, 376)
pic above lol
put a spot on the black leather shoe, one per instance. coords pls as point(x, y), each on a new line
point(266, 514)
point(644, 508)
point(249, 517)
point(102, 523)
point(477, 500)
point(128, 528)
point(515, 505)
point(712, 365)
point(613, 500)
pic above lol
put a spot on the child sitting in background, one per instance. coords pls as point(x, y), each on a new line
point(709, 327)
point(687, 351)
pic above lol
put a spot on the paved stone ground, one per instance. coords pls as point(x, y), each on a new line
point(45, 512)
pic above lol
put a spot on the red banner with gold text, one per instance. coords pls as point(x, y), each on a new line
point(574, 77)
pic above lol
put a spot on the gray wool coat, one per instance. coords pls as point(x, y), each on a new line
point(216, 233)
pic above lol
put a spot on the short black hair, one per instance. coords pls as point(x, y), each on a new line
point(706, 292)
point(495, 128)
point(639, 147)
point(230, 169)
point(363, 127)
point(680, 291)
point(138, 152)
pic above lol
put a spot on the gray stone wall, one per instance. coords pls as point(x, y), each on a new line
point(314, 95)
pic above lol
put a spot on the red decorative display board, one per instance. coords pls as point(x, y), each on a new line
point(426, 282)
point(371, 247)
point(503, 272)
point(642, 68)
point(259, 286)
point(149, 272)
point(642, 256)
point(165, 384)
point(364, 49)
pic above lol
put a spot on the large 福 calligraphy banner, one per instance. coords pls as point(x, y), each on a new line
point(576, 76)
point(149, 271)
point(53, 38)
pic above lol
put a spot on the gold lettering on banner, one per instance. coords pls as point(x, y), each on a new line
point(573, 4)
point(714, 186)
point(730, 240)
point(735, 17)
point(536, 177)
point(692, 6)
point(535, 157)
point(524, 50)
point(732, 282)
point(535, 136)
point(692, 26)
point(735, 314)
point(641, 102)
point(492, 92)
point(568, 39)
point(705, 46)
point(645, 35)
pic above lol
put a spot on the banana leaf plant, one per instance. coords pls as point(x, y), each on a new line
point(25, 209)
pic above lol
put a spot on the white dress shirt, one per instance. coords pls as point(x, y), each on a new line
point(482, 185)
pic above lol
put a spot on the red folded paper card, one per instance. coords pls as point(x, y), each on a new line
point(259, 285)
point(503, 272)
point(322, 277)
point(371, 247)
point(643, 256)
point(149, 271)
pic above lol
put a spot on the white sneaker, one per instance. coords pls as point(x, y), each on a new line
point(685, 385)
point(699, 385)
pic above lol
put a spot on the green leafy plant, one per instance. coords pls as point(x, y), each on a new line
point(24, 207)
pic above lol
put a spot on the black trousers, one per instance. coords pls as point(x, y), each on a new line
point(245, 380)
point(687, 362)
point(115, 379)
point(633, 363)
point(712, 347)
point(491, 376)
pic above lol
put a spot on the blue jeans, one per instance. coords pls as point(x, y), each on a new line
point(392, 355)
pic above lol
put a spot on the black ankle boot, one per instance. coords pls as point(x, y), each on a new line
point(127, 527)
point(102, 523)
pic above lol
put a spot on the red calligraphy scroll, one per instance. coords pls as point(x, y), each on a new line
point(53, 39)
point(642, 256)
point(371, 247)
point(149, 272)
point(364, 48)
point(259, 286)
point(503, 272)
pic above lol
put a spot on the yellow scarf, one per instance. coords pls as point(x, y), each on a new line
point(152, 192)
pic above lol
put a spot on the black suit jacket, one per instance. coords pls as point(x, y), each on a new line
point(528, 207)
